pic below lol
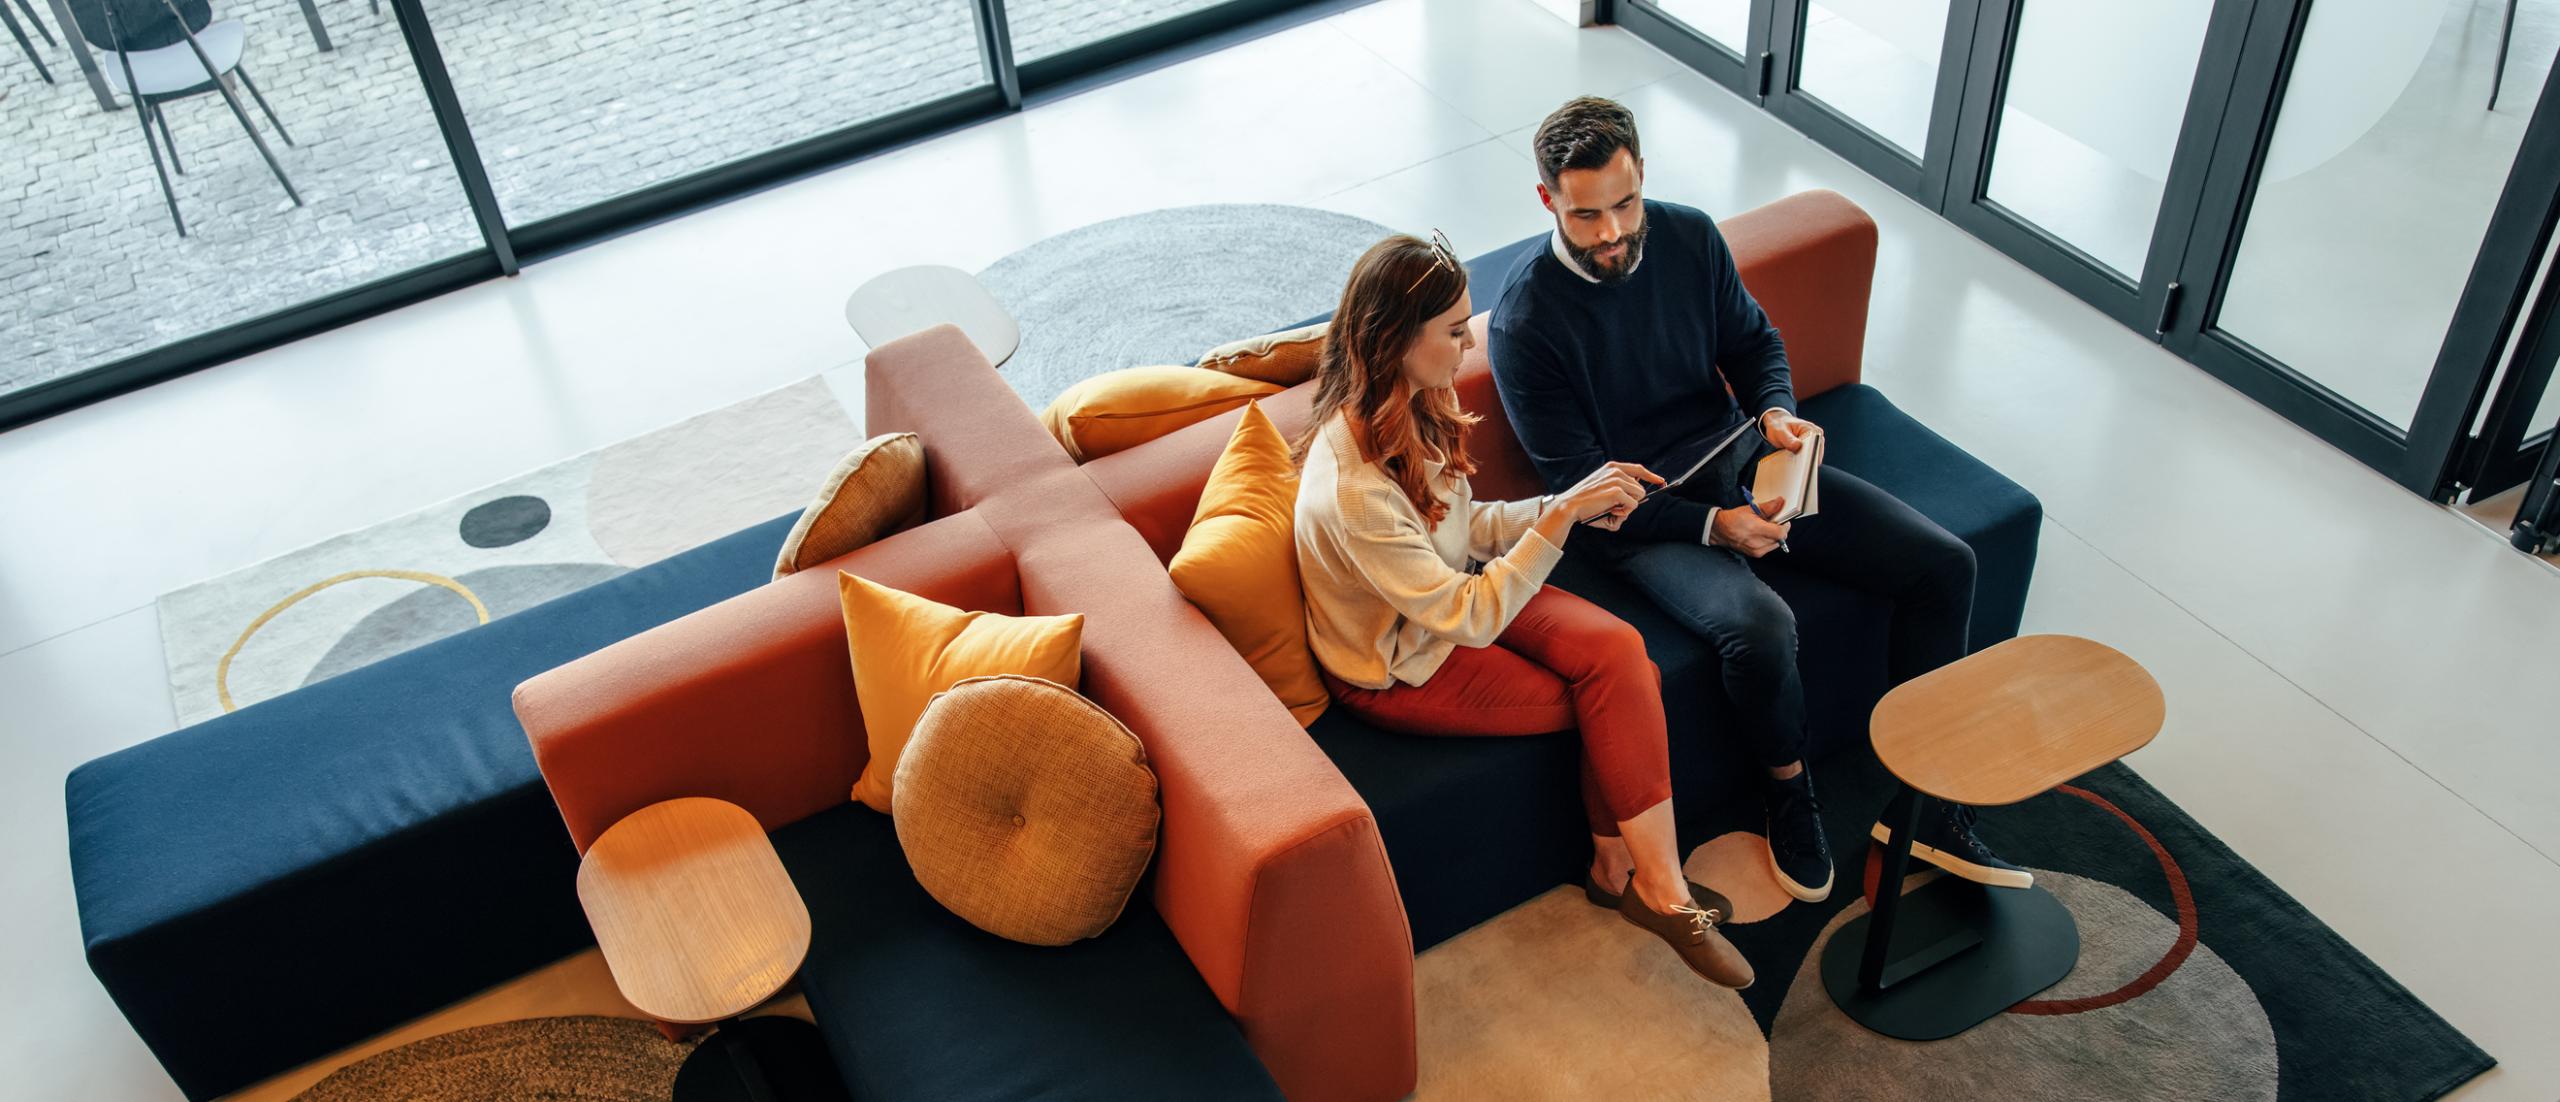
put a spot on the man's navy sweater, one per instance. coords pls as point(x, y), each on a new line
point(1637, 371)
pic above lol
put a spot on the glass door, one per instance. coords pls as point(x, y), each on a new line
point(1727, 40)
point(2085, 133)
point(1878, 81)
point(2384, 193)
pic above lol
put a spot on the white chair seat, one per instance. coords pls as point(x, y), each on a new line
point(173, 68)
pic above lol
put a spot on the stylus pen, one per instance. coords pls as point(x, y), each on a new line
point(1754, 506)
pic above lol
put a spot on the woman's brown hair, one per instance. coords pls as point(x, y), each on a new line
point(1399, 285)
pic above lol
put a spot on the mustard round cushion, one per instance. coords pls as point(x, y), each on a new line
point(1025, 809)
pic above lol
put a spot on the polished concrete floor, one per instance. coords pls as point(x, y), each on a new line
point(2353, 674)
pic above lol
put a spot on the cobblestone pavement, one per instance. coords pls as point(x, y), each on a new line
point(570, 102)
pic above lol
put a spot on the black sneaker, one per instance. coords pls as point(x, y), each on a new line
point(1799, 852)
point(1946, 840)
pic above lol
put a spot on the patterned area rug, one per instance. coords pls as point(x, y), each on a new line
point(1165, 286)
point(2197, 979)
point(591, 1059)
point(369, 594)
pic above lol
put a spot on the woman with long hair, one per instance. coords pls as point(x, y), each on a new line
point(1412, 639)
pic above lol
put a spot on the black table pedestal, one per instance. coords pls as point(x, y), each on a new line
point(770, 1059)
point(1949, 955)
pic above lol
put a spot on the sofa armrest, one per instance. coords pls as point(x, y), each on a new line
point(978, 435)
point(1810, 260)
point(1270, 870)
point(750, 700)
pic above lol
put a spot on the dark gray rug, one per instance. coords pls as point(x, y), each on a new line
point(592, 1059)
point(1165, 286)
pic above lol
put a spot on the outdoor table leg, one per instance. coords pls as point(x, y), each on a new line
point(311, 15)
point(80, 53)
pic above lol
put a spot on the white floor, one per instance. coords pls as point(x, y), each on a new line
point(2350, 669)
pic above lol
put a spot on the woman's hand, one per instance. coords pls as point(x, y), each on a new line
point(1604, 497)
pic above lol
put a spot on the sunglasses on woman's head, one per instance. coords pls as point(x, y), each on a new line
point(1442, 256)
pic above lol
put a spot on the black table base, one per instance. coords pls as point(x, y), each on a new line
point(769, 1059)
point(1949, 955)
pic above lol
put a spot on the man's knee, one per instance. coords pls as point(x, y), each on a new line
point(1766, 635)
point(1949, 566)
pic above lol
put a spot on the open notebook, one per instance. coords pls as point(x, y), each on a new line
point(1795, 476)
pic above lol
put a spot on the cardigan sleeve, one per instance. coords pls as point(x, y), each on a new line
point(1394, 557)
point(1493, 527)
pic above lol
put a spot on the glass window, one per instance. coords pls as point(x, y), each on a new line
point(1727, 22)
point(573, 102)
point(1041, 28)
point(2095, 98)
point(2385, 165)
point(91, 259)
point(1876, 61)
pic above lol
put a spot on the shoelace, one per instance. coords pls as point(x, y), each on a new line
point(1700, 919)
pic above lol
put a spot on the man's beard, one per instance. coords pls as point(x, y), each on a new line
point(1611, 271)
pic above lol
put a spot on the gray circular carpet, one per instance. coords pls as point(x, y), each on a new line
point(586, 1059)
point(1165, 286)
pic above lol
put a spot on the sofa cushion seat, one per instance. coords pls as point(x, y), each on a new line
point(918, 1004)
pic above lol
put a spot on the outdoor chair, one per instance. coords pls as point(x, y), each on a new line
point(158, 51)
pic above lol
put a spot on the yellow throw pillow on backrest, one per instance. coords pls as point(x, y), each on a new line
point(1239, 563)
point(1126, 408)
point(1286, 358)
point(906, 648)
point(876, 490)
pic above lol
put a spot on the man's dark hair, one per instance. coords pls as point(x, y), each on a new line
point(1584, 133)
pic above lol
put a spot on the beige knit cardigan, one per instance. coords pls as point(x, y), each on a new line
point(1388, 596)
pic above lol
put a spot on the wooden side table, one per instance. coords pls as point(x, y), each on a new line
point(1996, 727)
point(699, 923)
point(896, 303)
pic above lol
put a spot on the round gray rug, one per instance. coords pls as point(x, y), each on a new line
point(1165, 286)
point(587, 1058)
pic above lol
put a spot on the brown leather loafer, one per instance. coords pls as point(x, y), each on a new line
point(1691, 932)
point(1708, 898)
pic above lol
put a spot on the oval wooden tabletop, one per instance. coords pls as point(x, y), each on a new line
point(695, 915)
point(2017, 718)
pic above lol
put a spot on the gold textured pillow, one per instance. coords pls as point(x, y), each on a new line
point(1239, 563)
point(1286, 358)
point(906, 648)
point(1126, 408)
point(1026, 809)
point(878, 489)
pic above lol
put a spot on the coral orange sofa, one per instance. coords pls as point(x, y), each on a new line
point(1270, 879)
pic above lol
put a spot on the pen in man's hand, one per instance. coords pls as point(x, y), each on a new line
point(1754, 506)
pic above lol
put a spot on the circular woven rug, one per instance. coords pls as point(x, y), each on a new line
point(587, 1059)
point(1165, 286)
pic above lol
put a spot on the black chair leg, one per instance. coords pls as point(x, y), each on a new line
point(254, 94)
point(160, 115)
point(2506, 34)
point(41, 29)
point(223, 87)
point(29, 48)
point(142, 117)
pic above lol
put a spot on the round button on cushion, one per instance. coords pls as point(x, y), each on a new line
point(1025, 809)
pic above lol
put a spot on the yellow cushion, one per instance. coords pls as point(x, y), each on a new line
point(1286, 358)
point(906, 648)
point(876, 490)
point(1239, 563)
point(1126, 408)
point(1026, 809)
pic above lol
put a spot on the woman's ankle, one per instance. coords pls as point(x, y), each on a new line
point(1659, 894)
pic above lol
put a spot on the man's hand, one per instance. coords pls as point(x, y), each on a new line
point(1785, 430)
point(1747, 530)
